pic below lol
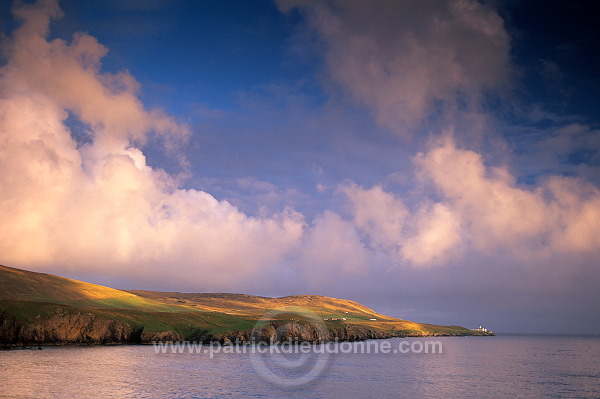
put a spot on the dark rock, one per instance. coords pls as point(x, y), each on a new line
point(65, 327)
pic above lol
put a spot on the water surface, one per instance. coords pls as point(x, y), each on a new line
point(468, 367)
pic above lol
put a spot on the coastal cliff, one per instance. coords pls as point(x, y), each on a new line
point(84, 327)
point(70, 326)
point(65, 327)
point(42, 309)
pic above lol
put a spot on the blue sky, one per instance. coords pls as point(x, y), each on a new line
point(437, 161)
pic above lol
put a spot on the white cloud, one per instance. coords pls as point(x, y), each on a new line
point(422, 238)
point(437, 236)
point(476, 209)
point(69, 73)
point(332, 251)
point(99, 206)
point(379, 215)
point(561, 214)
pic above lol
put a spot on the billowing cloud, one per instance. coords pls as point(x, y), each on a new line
point(413, 61)
point(560, 214)
point(332, 251)
point(70, 74)
point(436, 238)
point(424, 237)
point(407, 60)
point(474, 207)
point(97, 204)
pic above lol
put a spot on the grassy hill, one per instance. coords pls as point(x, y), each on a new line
point(23, 285)
point(43, 308)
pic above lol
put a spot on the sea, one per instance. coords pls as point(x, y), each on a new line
point(504, 366)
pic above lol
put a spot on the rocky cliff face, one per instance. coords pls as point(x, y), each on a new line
point(66, 328)
point(81, 327)
point(275, 332)
point(84, 327)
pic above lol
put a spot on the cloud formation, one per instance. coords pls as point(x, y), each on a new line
point(421, 237)
point(559, 214)
point(477, 208)
point(96, 204)
point(407, 60)
point(410, 61)
point(70, 74)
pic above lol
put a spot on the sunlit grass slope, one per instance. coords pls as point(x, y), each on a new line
point(253, 307)
point(22, 285)
point(30, 296)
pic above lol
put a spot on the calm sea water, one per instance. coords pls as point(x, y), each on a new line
point(468, 367)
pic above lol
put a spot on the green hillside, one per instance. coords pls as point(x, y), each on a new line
point(23, 285)
point(43, 308)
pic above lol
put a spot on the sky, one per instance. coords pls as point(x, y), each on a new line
point(438, 161)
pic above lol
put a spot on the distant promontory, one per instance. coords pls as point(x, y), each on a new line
point(43, 309)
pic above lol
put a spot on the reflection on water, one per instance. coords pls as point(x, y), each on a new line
point(504, 366)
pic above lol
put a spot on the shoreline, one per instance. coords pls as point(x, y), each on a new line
point(227, 342)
